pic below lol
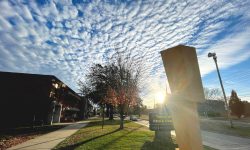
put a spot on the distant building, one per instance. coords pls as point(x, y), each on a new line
point(27, 99)
point(212, 108)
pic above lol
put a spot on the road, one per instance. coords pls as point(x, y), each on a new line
point(216, 140)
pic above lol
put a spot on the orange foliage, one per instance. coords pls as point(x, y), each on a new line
point(121, 97)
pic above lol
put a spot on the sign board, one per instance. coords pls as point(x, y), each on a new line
point(160, 122)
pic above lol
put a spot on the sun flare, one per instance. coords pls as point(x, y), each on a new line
point(160, 97)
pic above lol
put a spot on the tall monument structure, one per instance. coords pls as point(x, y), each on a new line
point(182, 70)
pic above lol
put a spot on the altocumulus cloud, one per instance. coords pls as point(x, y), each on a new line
point(64, 37)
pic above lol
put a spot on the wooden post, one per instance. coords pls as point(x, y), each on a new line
point(182, 70)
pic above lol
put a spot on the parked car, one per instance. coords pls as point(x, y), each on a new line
point(133, 118)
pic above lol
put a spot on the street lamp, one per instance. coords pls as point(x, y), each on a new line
point(221, 84)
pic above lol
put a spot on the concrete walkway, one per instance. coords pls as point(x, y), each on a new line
point(217, 141)
point(50, 140)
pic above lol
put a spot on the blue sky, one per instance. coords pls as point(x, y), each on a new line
point(64, 37)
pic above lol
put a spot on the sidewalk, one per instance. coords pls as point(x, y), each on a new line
point(217, 140)
point(50, 140)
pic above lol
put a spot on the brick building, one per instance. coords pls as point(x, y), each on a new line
point(27, 99)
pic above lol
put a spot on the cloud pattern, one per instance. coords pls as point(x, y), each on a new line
point(64, 37)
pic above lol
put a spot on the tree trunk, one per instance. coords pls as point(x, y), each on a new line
point(121, 121)
point(111, 112)
point(139, 113)
point(102, 116)
point(107, 110)
point(121, 117)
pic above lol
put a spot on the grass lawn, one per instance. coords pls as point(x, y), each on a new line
point(224, 128)
point(133, 136)
point(234, 118)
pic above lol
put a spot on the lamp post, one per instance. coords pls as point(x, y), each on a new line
point(154, 103)
point(222, 87)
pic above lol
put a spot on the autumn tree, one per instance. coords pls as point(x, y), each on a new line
point(236, 105)
point(123, 92)
point(115, 84)
point(246, 108)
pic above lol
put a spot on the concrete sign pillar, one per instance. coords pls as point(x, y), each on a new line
point(182, 70)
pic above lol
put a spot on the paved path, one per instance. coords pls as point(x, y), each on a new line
point(218, 141)
point(50, 140)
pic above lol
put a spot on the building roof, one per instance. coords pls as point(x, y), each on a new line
point(3, 73)
point(43, 76)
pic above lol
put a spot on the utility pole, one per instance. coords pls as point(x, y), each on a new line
point(222, 87)
point(154, 103)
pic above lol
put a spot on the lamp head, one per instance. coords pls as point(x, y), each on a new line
point(211, 55)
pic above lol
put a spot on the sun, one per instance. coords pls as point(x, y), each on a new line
point(160, 97)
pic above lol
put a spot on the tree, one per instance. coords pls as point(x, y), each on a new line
point(115, 84)
point(123, 92)
point(138, 108)
point(236, 105)
point(212, 93)
point(246, 108)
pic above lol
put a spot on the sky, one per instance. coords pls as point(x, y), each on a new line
point(64, 37)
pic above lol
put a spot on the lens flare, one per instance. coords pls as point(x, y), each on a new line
point(160, 97)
